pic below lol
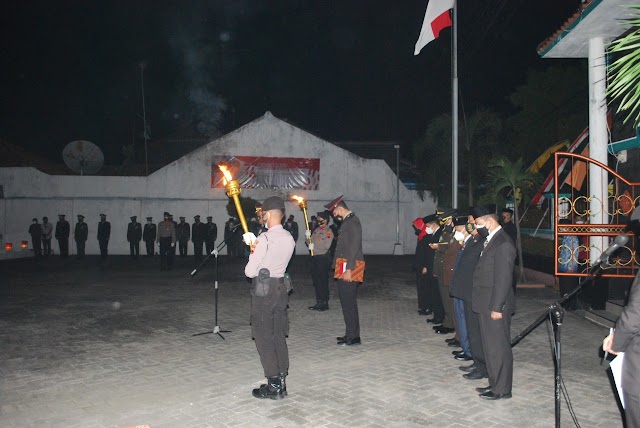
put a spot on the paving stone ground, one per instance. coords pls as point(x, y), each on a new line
point(82, 346)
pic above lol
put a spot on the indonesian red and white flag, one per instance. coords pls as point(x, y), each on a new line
point(436, 19)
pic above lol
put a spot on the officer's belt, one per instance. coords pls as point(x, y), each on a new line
point(277, 281)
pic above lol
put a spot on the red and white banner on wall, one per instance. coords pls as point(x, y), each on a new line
point(261, 172)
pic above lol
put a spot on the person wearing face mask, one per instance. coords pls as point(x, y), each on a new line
point(321, 240)
point(420, 265)
point(494, 302)
point(444, 258)
point(149, 235)
point(349, 248)
point(461, 289)
point(434, 232)
point(270, 255)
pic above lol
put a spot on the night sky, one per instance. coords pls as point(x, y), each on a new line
point(343, 70)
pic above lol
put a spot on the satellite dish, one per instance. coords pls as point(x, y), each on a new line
point(83, 157)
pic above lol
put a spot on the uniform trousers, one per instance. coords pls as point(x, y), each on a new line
point(473, 334)
point(104, 245)
point(183, 247)
point(134, 249)
point(422, 288)
point(197, 250)
point(434, 298)
point(269, 326)
point(210, 245)
point(166, 253)
point(458, 313)
point(46, 245)
point(80, 248)
point(496, 343)
point(447, 305)
point(37, 246)
point(150, 248)
point(320, 276)
point(63, 243)
point(348, 291)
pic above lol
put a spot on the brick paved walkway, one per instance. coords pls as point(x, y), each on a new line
point(86, 347)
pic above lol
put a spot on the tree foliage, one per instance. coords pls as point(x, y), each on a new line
point(625, 71)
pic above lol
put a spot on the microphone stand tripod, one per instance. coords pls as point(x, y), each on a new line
point(555, 312)
point(214, 253)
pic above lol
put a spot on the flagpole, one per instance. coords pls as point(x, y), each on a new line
point(454, 108)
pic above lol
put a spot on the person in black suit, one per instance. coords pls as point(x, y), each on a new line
point(104, 233)
point(461, 289)
point(433, 290)
point(134, 235)
point(149, 236)
point(420, 266)
point(494, 302)
point(349, 247)
point(626, 338)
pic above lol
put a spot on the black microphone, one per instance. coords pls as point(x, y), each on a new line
point(619, 241)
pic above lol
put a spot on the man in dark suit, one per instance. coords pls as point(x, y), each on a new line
point(494, 302)
point(433, 292)
point(149, 235)
point(63, 230)
point(198, 236)
point(461, 289)
point(80, 235)
point(420, 265)
point(183, 233)
point(104, 233)
point(627, 339)
point(134, 235)
point(349, 247)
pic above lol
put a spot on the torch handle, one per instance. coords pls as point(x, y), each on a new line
point(306, 222)
point(243, 221)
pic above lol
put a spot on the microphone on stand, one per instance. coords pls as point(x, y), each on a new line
point(618, 242)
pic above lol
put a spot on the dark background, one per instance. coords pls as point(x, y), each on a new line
point(341, 70)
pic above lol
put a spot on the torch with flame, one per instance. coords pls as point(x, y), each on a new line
point(233, 191)
point(303, 205)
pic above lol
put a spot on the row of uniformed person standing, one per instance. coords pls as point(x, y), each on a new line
point(473, 278)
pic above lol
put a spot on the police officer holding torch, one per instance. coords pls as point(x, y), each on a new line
point(321, 241)
point(270, 254)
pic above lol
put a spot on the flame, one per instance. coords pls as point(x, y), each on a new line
point(299, 199)
point(227, 174)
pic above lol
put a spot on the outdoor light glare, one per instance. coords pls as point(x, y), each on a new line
point(24, 245)
point(303, 205)
point(8, 246)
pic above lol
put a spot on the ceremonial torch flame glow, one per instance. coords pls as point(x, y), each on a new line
point(303, 205)
point(233, 191)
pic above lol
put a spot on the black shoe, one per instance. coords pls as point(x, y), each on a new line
point(322, 306)
point(273, 389)
point(483, 390)
point(454, 344)
point(463, 357)
point(470, 368)
point(283, 383)
point(490, 395)
point(445, 330)
point(437, 327)
point(451, 339)
point(435, 320)
point(475, 375)
point(425, 312)
point(341, 338)
point(459, 351)
point(314, 307)
point(350, 342)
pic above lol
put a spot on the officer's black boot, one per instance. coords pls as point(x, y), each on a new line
point(283, 383)
point(322, 306)
point(315, 307)
point(273, 389)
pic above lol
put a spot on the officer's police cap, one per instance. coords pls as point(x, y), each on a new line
point(133, 217)
point(333, 204)
point(445, 212)
point(80, 216)
point(103, 215)
point(35, 219)
point(149, 218)
point(60, 215)
point(166, 214)
point(196, 216)
point(209, 217)
point(273, 203)
point(181, 218)
point(507, 210)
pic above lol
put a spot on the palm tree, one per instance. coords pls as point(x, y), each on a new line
point(507, 175)
point(625, 71)
point(478, 136)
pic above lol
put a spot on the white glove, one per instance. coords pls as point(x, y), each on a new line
point(307, 234)
point(311, 247)
point(249, 238)
point(173, 245)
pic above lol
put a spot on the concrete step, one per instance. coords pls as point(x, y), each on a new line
point(615, 307)
point(601, 317)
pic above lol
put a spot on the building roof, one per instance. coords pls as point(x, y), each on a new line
point(15, 156)
point(594, 18)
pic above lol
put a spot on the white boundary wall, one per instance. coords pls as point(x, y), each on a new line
point(183, 188)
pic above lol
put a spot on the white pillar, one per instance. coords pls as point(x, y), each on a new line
point(598, 139)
